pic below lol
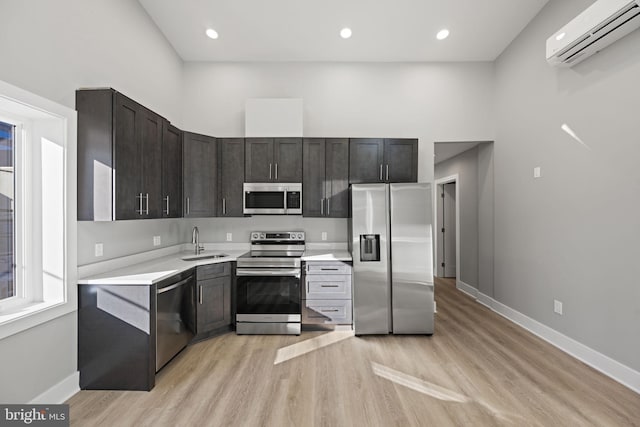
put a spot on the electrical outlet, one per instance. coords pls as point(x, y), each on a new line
point(99, 249)
point(157, 240)
point(229, 237)
point(557, 307)
point(537, 172)
point(324, 235)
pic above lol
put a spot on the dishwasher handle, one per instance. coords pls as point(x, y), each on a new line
point(175, 285)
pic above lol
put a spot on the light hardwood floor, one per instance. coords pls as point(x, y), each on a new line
point(477, 369)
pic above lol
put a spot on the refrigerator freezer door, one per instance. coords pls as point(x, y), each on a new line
point(411, 214)
point(371, 291)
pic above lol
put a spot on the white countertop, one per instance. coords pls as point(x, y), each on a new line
point(145, 270)
point(155, 270)
point(326, 255)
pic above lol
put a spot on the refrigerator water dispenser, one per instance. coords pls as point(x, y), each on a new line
point(369, 247)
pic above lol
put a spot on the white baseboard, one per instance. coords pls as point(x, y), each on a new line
point(60, 392)
point(611, 368)
point(467, 289)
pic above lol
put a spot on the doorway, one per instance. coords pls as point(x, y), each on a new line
point(447, 227)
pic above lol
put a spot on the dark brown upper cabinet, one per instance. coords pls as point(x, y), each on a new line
point(171, 171)
point(199, 172)
point(383, 160)
point(119, 157)
point(401, 160)
point(273, 160)
point(230, 176)
point(325, 177)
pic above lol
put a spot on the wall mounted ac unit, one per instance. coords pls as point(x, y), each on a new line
point(604, 22)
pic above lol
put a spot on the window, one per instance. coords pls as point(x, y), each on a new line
point(7, 232)
point(37, 210)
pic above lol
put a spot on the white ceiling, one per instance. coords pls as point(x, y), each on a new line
point(308, 30)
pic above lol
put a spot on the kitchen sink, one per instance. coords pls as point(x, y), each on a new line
point(206, 256)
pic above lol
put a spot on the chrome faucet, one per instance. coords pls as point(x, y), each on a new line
point(195, 239)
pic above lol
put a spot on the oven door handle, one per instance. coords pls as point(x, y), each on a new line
point(271, 273)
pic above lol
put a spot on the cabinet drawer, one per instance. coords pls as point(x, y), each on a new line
point(213, 270)
point(326, 311)
point(329, 286)
point(328, 268)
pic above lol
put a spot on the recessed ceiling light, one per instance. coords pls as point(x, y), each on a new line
point(560, 36)
point(442, 34)
point(345, 33)
point(212, 34)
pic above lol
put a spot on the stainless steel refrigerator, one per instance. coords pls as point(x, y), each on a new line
point(391, 244)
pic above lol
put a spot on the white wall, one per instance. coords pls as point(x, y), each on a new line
point(571, 235)
point(432, 102)
point(52, 48)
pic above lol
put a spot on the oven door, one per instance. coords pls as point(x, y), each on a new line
point(268, 292)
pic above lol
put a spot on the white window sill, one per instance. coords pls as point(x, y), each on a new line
point(25, 317)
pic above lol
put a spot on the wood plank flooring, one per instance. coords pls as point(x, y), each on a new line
point(477, 369)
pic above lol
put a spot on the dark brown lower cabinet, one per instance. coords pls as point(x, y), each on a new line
point(213, 298)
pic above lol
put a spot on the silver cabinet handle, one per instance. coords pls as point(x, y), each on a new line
point(380, 171)
point(329, 269)
point(321, 206)
point(224, 206)
point(140, 210)
point(200, 294)
point(269, 170)
point(188, 207)
point(147, 210)
point(328, 206)
point(276, 171)
point(330, 311)
point(387, 172)
point(167, 200)
point(329, 286)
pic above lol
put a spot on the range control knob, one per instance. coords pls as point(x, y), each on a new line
point(254, 236)
point(262, 236)
point(300, 236)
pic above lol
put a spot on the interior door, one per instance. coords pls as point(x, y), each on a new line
point(449, 229)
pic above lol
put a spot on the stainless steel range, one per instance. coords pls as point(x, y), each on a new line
point(268, 284)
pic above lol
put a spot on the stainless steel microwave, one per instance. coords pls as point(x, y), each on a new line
point(271, 198)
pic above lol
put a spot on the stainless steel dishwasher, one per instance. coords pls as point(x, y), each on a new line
point(173, 317)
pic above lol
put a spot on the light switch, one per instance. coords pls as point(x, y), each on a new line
point(229, 237)
point(99, 251)
point(537, 173)
point(324, 235)
point(157, 240)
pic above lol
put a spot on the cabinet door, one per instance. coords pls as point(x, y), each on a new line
point(151, 163)
point(199, 175)
point(365, 160)
point(401, 160)
point(127, 158)
point(313, 182)
point(230, 176)
point(288, 160)
point(171, 171)
point(259, 165)
point(213, 303)
point(337, 178)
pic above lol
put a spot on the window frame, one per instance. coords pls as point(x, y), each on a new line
point(28, 307)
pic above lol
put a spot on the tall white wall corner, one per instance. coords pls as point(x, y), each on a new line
point(273, 117)
point(60, 392)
